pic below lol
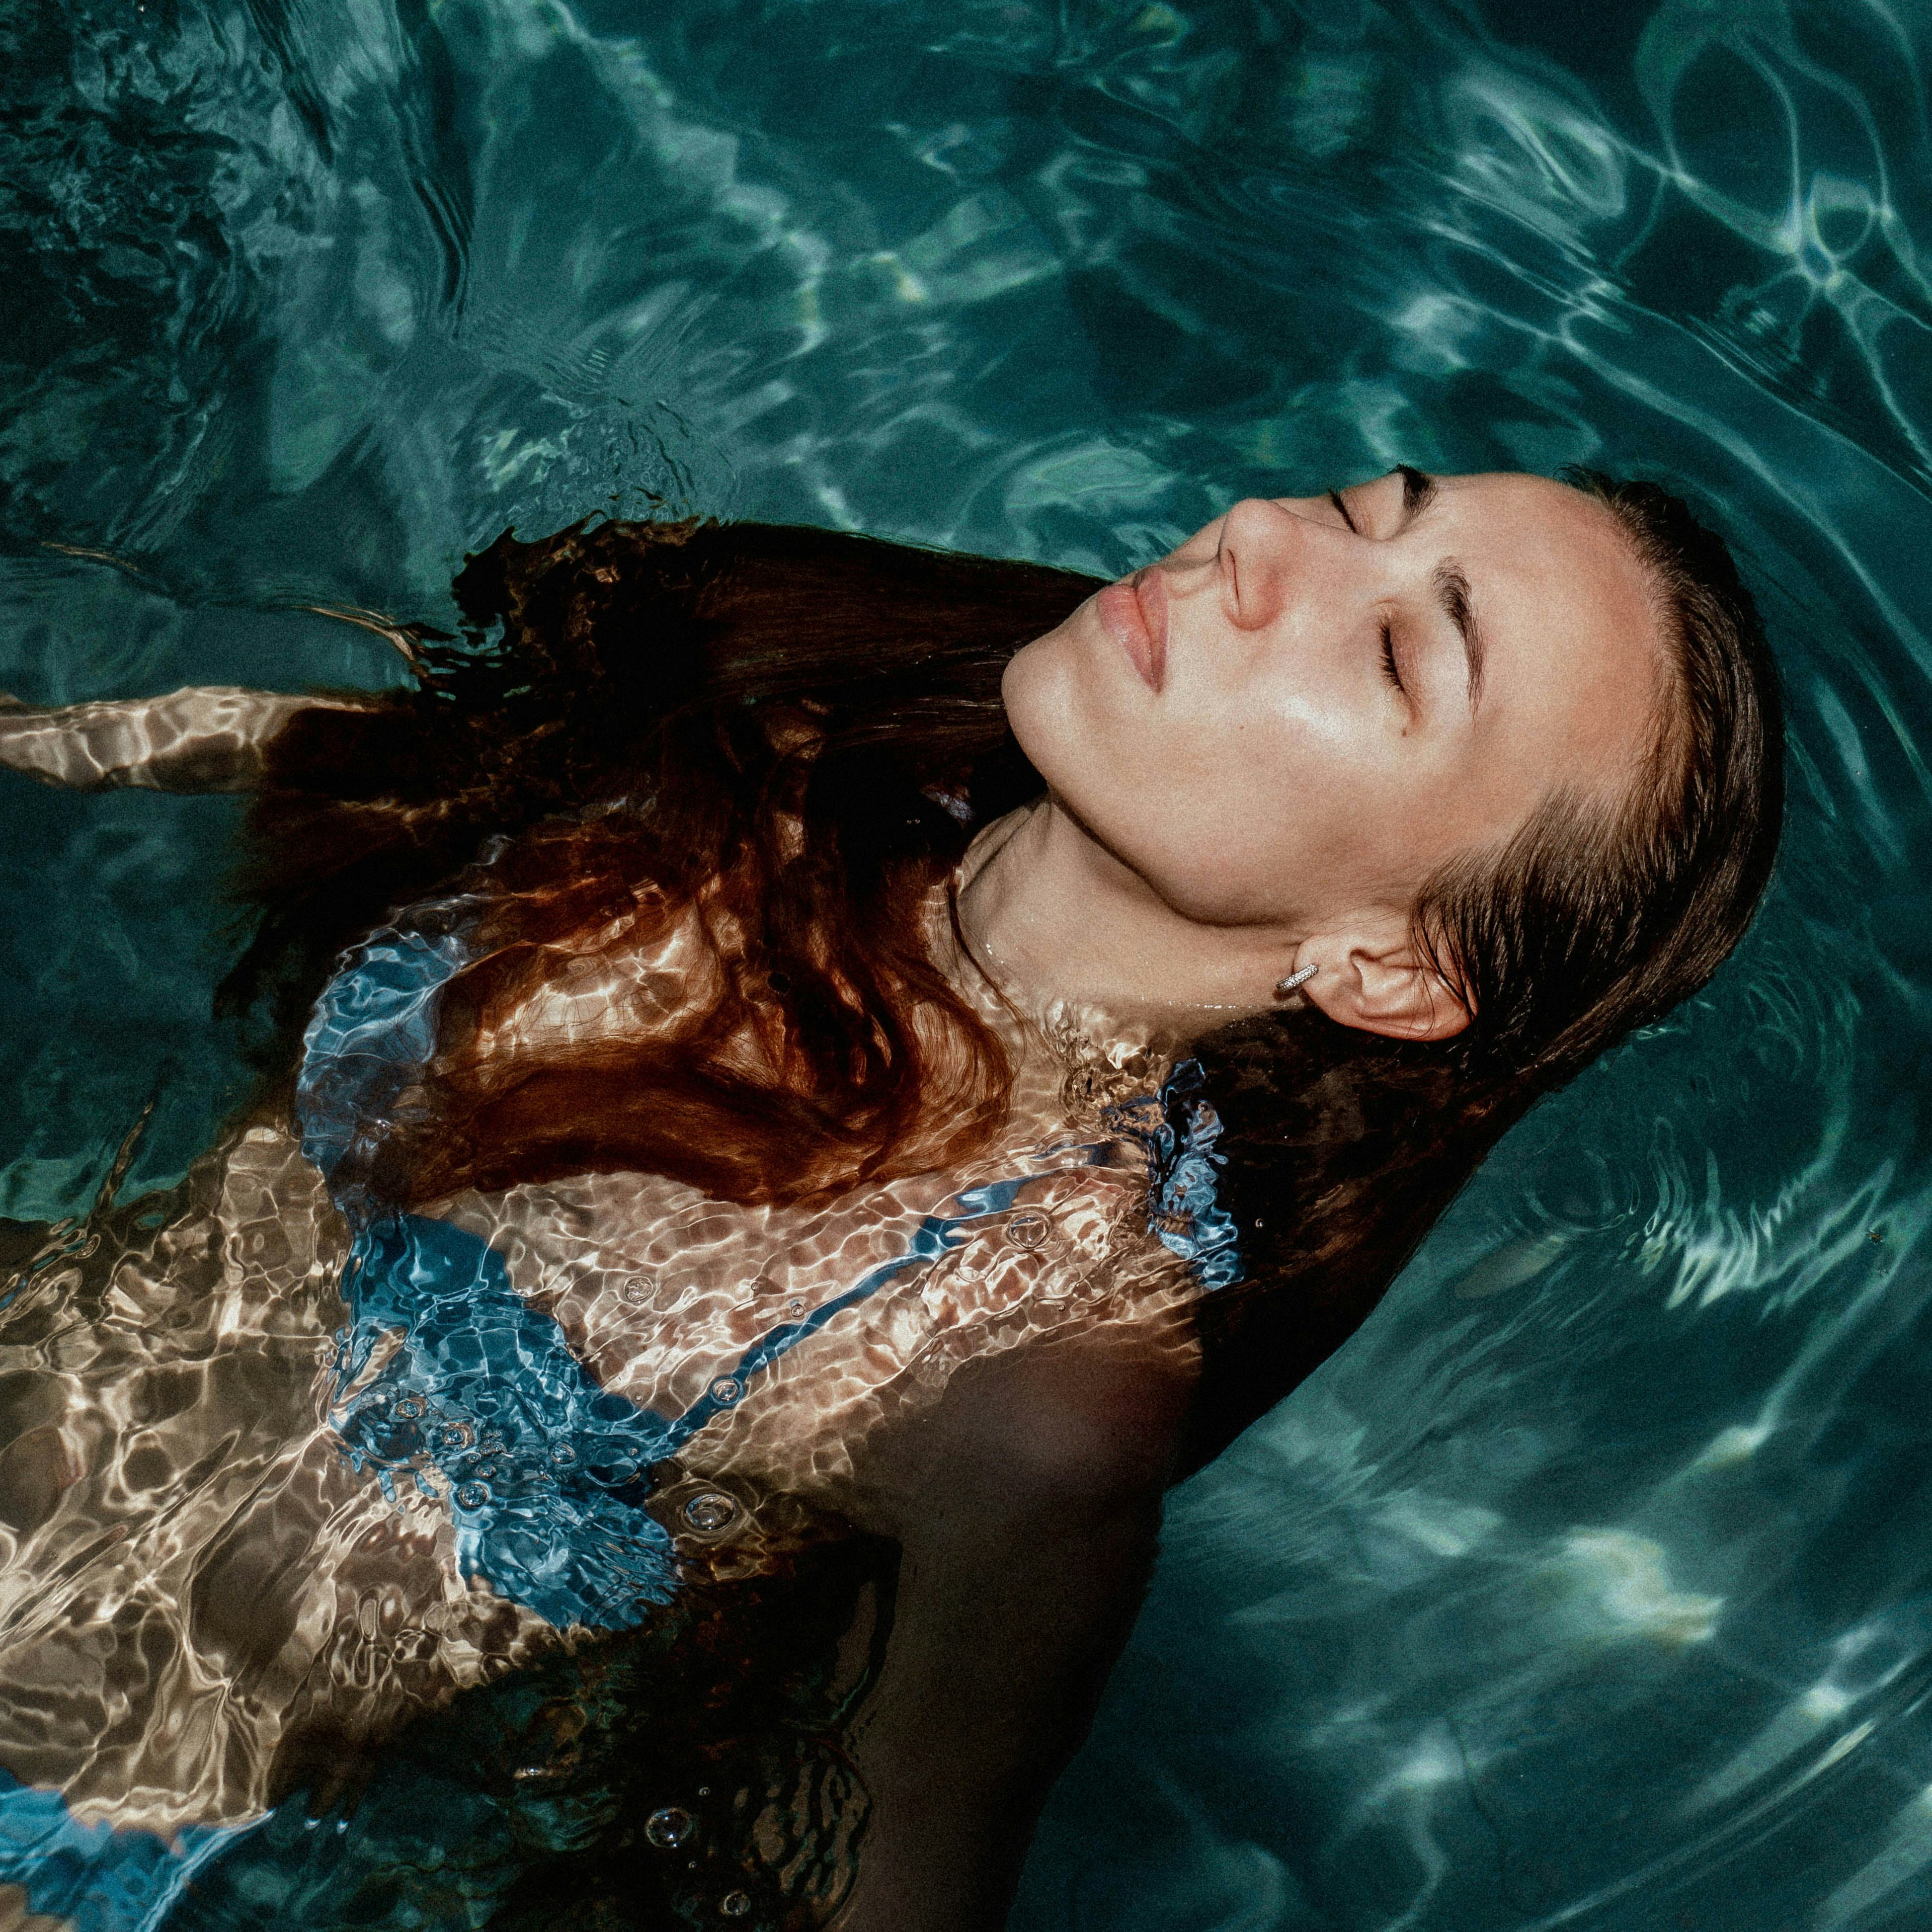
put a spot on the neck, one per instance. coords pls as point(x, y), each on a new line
point(1060, 923)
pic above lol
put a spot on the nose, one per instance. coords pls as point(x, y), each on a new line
point(1265, 550)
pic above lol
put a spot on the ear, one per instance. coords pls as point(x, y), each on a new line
point(1373, 978)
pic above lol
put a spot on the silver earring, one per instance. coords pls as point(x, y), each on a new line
point(1295, 980)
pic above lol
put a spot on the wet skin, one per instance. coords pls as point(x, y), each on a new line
point(1317, 746)
point(1256, 750)
point(1019, 1396)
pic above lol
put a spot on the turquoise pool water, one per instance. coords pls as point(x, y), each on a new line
point(1592, 1586)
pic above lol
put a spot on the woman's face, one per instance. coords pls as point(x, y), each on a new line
point(1296, 716)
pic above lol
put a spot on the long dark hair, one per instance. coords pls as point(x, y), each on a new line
point(793, 733)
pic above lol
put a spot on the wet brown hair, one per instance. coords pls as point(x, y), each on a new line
point(756, 724)
point(792, 733)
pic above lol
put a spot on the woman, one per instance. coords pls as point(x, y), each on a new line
point(747, 1245)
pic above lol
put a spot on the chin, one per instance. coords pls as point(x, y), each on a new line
point(1046, 709)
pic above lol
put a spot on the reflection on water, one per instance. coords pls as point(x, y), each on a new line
point(1588, 1587)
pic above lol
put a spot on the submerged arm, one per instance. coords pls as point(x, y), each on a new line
point(1027, 1506)
point(205, 738)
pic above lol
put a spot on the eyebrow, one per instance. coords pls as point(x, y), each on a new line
point(1452, 587)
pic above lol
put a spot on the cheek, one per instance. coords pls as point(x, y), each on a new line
point(1237, 808)
point(1293, 815)
point(1233, 826)
point(1246, 850)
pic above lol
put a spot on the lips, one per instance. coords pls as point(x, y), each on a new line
point(1135, 610)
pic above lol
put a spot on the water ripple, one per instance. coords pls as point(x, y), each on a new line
point(1587, 1588)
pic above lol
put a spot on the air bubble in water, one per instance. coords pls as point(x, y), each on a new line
point(472, 1495)
point(639, 1289)
point(711, 1511)
point(726, 1390)
point(669, 1827)
point(1028, 1230)
point(455, 1435)
point(735, 1904)
point(409, 1408)
point(562, 1454)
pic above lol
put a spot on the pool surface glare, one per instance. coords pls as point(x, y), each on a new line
point(1591, 1586)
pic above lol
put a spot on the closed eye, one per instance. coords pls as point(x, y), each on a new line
point(1389, 670)
point(1342, 509)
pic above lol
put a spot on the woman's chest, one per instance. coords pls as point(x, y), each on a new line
point(769, 1340)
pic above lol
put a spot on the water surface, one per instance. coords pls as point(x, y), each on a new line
point(1591, 1586)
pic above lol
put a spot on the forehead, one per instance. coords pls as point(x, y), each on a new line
point(1575, 647)
point(1537, 528)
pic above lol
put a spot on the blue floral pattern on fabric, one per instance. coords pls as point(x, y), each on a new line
point(98, 1878)
point(482, 1403)
point(1184, 1207)
point(448, 1381)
